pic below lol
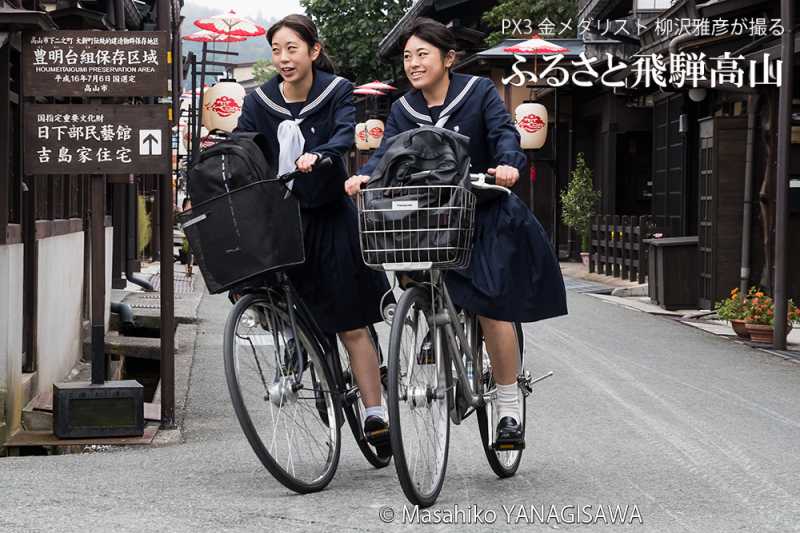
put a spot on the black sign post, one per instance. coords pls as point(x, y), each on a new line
point(96, 63)
point(98, 139)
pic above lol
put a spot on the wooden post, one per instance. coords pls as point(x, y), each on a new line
point(593, 244)
point(98, 283)
point(167, 22)
point(626, 247)
point(643, 251)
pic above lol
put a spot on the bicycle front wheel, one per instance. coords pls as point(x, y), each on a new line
point(419, 425)
point(281, 388)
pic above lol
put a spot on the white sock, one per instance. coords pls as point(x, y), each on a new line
point(375, 411)
point(507, 401)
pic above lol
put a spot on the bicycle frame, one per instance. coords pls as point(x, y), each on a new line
point(299, 312)
point(445, 319)
point(460, 345)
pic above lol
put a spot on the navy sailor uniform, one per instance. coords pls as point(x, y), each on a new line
point(514, 274)
point(341, 292)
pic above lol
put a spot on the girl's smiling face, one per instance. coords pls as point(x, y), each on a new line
point(292, 56)
point(425, 64)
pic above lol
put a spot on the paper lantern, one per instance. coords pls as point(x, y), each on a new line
point(222, 105)
point(532, 125)
point(374, 132)
point(362, 141)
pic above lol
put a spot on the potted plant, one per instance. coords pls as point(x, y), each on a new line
point(760, 317)
point(579, 201)
point(734, 310)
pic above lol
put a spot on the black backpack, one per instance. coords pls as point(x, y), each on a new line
point(235, 161)
point(444, 153)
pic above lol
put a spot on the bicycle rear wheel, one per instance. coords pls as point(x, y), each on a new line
point(353, 407)
point(281, 397)
point(419, 424)
point(504, 463)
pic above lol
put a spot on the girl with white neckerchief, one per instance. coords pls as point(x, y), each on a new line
point(307, 113)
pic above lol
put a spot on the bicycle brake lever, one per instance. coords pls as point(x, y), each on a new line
point(288, 179)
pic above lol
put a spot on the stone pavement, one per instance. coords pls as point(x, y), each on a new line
point(698, 433)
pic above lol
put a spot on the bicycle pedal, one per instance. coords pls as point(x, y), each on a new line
point(508, 446)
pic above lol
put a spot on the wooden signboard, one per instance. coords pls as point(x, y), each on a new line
point(97, 139)
point(96, 63)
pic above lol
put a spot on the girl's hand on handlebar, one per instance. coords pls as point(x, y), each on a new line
point(306, 162)
point(505, 175)
point(354, 183)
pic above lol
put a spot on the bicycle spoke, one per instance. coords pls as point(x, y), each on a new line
point(421, 408)
point(268, 371)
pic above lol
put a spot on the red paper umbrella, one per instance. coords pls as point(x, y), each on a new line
point(378, 86)
point(371, 92)
point(205, 36)
point(536, 46)
point(188, 92)
point(230, 24)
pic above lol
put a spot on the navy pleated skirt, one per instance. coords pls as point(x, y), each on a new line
point(341, 292)
point(514, 274)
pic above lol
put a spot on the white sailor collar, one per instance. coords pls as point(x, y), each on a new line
point(414, 105)
point(269, 95)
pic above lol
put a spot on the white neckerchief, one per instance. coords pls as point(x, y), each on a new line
point(291, 142)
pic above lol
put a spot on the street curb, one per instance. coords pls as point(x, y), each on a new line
point(623, 292)
point(167, 437)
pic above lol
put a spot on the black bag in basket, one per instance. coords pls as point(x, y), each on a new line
point(240, 235)
point(425, 221)
point(233, 162)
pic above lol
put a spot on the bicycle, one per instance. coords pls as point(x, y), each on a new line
point(290, 385)
point(438, 368)
point(285, 398)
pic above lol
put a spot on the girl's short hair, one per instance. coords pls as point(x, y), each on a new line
point(307, 30)
point(431, 31)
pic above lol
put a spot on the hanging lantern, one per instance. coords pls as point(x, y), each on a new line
point(222, 105)
point(374, 132)
point(531, 124)
point(362, 140)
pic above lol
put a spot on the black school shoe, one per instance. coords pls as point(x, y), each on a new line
point(376, 431)
point(509, 435)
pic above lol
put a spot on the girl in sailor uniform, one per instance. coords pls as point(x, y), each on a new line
point(307, 113)
point(514, 274)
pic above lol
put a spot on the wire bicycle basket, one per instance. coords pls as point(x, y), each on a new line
point(416, 227)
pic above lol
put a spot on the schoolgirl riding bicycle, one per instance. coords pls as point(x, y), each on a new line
point(306, 113)
point(514, 274)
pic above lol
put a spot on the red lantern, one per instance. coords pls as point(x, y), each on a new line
point(222, 106)
point(531, 121)
point(362, 137)
point(375, 132)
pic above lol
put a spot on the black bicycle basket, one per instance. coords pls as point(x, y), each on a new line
point(244, 233)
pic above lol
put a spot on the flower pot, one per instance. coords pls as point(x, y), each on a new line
point(740, 328)
point(585, 259)
point(763, 333)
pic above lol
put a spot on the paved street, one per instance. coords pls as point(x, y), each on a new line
point(699, 433)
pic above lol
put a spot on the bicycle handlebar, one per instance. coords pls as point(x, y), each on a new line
point(487, 182)
point(325, 162)
point(478, 180)
point(287, 179)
